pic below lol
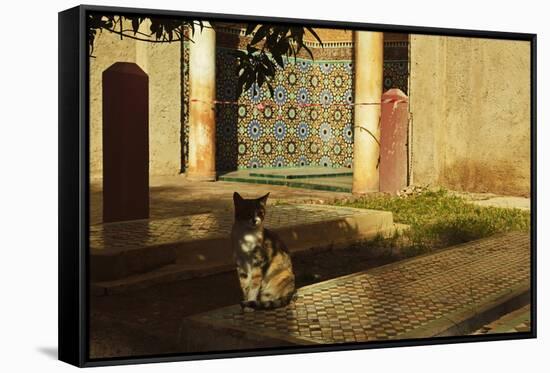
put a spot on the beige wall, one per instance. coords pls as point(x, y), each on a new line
point(162, 63)
point(470, 105)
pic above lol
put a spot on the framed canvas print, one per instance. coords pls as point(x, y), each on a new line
point(237, 185)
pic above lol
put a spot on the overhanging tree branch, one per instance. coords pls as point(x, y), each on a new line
point(256, 65)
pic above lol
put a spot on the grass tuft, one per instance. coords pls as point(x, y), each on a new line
point(439, 219)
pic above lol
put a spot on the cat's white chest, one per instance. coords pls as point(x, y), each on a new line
point(249, 241)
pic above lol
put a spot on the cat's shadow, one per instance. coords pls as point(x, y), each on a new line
point(50, 352)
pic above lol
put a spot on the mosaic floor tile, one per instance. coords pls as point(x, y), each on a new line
point(143, 233)
point(394, 301)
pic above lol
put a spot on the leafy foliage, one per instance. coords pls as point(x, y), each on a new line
point(258, 64)
point(95, 23)
point(266, 50)
point(162, 30)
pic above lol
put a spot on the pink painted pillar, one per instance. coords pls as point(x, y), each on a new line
point(393, 141)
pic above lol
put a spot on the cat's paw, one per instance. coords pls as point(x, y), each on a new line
point(248, 306)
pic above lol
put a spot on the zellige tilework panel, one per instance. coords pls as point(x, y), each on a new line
point(285, 131)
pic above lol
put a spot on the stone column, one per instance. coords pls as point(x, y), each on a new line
point(369, 63)
point(202, 92)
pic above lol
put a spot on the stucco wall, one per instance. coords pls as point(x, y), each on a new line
point(162, 63)
point(470, 105)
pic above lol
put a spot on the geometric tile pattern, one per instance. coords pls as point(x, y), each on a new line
point(389, 301)
point(396, 75)
point(185, 102)
point(185, 107)
point(396, 62)
point(286, 130)
point(152, 232)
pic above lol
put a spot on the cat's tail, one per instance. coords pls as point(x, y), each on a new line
point(281, 302)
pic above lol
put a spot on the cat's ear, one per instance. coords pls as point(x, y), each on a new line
point(263, 200)
point(237, 198)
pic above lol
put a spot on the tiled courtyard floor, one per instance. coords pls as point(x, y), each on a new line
point(431, 295)
point(218, 223)
point(139, 252)
point(175, 196)
point(413, 298)
point(153, 320)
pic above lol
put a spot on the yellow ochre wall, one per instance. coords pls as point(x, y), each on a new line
point(470, 106)
point(162, 63)
point(469, 101)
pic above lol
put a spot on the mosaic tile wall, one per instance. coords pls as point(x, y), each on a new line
point(396, 62)
point(309, 121)
point(185, 107)
point(396, 75)
point(285, 131)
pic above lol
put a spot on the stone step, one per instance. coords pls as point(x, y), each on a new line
point(188, 246)
point(180, 271)
point(165, 274)
point(317, 178)
point(451, 292)
point(295, 172)
point(332, 184)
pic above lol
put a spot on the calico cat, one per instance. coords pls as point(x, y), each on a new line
point(263, 263)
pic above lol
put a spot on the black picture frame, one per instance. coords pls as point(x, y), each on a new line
point(74, 187)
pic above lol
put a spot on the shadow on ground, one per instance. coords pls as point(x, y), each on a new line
point(50, 352)
point(148, 321)
point(175, 196)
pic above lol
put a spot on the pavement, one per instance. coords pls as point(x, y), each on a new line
point(140, 252)
point(494, 200)
point(172, 196)
point(506, 202)
point(187, 233)
point(451, 292)
point(148, 305)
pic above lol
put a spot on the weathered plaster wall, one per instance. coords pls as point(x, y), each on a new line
point(470, 104)
point(162, 63)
